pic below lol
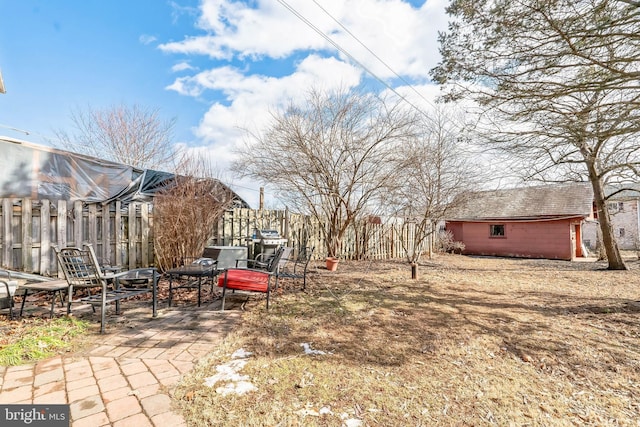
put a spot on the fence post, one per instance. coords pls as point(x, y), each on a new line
point(287, 218)
point(146, 228)
point(45, 237)
point(77, 224)
point(93, 227)
point(132, 235)
point(27, 236)
point(106, 232)
point(7, 243)
point(117, 231)
point(61, 225)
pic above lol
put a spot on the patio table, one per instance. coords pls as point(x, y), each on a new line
point(194, 275)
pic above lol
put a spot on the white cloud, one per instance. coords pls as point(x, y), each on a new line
point(147, 39)
point(251, 97)
point(250, 101)
point(248, 42)
point(182, 66)
point(403, 37)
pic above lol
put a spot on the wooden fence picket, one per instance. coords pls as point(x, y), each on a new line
point(124, 236)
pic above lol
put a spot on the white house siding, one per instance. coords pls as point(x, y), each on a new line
point(625, 220)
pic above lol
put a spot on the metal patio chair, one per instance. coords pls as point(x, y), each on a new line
point(82, 271)
point(297, 267)
point(264, 261)
point(7, 290)
point(251, 280)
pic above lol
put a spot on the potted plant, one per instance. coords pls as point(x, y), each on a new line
point(332, 263)
point(333, 244)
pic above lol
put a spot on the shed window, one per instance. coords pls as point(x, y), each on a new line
point(496, 230)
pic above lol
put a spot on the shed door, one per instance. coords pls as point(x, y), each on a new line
point(576, 240)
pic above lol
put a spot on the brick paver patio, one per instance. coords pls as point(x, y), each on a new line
point(125, 381)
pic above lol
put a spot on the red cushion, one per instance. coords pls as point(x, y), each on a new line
point(245, 280)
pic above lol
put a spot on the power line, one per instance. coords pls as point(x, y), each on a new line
point(374, 54)
point(245, 188)
point(26, 132)
point(351, 57)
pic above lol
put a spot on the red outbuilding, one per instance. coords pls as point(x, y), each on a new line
point(529, 222)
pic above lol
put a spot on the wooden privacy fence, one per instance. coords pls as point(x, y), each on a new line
point(123, 235)
point(365, 239)
point(30, 229)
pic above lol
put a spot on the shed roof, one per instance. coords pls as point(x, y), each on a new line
point(548, 201)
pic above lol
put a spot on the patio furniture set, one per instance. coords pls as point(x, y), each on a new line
point(82, 270)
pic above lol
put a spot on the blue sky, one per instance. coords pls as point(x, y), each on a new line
point(216, 66)
point(58, 55)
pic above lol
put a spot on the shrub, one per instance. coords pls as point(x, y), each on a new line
point(447, 244)
point(185, 216)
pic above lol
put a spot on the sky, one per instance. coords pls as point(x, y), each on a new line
point(219, 68)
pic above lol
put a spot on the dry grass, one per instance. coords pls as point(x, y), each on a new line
point(473, 341)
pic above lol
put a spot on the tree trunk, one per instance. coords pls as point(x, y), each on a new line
point(608, 239)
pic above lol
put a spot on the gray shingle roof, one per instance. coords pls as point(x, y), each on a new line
point(572, 199)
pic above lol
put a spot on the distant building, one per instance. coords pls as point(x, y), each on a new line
point(625, 220)
point(530, 222)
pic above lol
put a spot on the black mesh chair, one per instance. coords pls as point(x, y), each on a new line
point(298, 266)
point(82, 271)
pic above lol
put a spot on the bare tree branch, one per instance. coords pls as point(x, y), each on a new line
point(330, 157)
point(631, 2)
point(435, 170)
point(135, 136)
point(561, 77)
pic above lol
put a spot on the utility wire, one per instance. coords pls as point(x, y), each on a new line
point(374, 54)
point(351, 57)
point(26, 132)
point(245, 188)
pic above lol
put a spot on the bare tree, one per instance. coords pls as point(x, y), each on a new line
point(135, 136)
point(330, 157)
point(187, 212)
point(560, 79)
point(436, 168)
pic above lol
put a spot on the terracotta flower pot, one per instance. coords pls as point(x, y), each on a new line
point(332, 263)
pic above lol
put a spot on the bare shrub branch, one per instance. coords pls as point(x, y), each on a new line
point(186, 214)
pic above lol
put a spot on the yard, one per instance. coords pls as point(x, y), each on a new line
point(473, 341)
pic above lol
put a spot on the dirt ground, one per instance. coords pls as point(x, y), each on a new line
point(472, 341)
point(522, 341)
